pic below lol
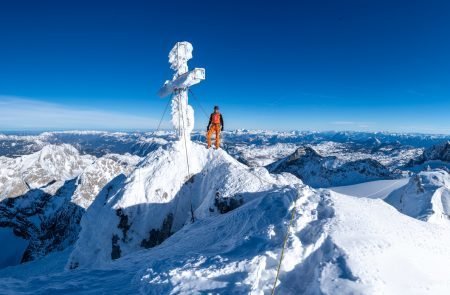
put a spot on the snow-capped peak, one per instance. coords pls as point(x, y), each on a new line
point(160, 197)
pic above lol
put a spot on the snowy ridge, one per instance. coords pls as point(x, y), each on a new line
point(338, 245)
point(425, 197)
point(156, 201)
point(137, 236)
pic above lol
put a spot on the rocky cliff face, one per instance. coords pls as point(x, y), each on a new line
point(48, 222)
point(433, 155)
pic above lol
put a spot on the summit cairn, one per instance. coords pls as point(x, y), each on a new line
point(182, 112)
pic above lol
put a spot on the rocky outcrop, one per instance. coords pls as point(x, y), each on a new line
point(318, 171)
point(48, 222)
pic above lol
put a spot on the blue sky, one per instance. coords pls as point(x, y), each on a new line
point(284, 65)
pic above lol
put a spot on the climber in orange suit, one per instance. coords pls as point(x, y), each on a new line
point(215, 125)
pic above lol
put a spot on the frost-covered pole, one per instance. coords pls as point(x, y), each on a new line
point(182, 112)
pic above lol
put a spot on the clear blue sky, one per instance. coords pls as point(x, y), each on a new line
point(305, 65)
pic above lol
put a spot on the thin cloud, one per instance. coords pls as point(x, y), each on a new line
point(25, 113)
point(343, 123)
point(359, 124)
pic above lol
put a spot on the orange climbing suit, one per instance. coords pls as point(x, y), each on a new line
point(215, 127)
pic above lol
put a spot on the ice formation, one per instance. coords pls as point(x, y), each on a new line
point(182, 112)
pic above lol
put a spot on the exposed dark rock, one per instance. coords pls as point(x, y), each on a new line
point(123, 223)
point(157, 236)
point(225, 205)
point(115, 251)
point(59, 220)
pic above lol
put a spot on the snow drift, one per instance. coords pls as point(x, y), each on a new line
point(425, 197)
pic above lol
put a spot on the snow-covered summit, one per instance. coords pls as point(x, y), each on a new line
point(425, 197)
point(160, 197)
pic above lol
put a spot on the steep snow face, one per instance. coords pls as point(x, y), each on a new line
point(319, 171)
point(54, 163)
point(160, 197)
point(425, 197)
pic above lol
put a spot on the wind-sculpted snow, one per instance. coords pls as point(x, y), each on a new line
point(138, 235)
point(425, 197)
point(337, 245)
point(319, 171)
point(159, 197)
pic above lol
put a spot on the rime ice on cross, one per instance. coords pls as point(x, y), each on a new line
point(182, 112)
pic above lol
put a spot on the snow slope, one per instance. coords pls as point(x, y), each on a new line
point(338, 245)
point(378, 189)
point(425, 197)
point(138, 236)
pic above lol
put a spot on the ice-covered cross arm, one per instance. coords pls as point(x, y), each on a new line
point(182, 112)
